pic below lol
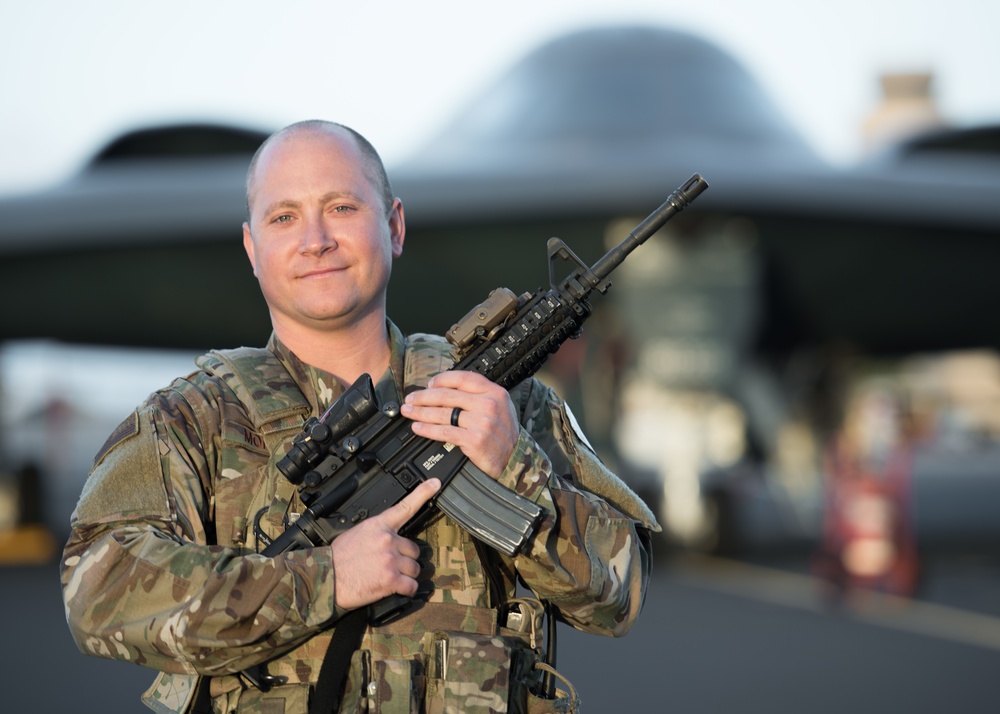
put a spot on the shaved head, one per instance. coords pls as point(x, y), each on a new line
point(374, 168)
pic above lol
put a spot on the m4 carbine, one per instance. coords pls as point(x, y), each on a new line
point(361, 457)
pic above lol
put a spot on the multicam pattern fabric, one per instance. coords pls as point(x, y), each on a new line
point(160, 568)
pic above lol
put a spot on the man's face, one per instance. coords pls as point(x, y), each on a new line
point(319, 238)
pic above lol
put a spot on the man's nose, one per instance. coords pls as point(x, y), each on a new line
point(317, 237)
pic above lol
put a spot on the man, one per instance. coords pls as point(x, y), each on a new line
point(161, 569)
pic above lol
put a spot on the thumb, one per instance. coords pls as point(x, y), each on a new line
point(397, 516)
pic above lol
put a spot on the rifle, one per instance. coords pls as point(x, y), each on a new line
point(361, 457)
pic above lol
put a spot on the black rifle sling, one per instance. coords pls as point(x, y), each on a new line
point(203, 697)
point(346, 640)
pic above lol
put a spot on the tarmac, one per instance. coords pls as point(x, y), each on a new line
point(714, 636)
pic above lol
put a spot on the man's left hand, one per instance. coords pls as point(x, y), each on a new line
point(485, 427)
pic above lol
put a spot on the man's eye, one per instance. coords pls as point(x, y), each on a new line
point(343, 209)
point(284, 218)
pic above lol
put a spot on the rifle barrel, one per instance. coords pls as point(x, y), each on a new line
point(676, 202)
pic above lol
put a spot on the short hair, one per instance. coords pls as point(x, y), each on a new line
point(375, 169)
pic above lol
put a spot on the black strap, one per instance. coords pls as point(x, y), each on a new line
point(203, 696)
point(346, 640)
point(497, 588)
point(548, 681)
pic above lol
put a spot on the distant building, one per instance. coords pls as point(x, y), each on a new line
point(908, 108)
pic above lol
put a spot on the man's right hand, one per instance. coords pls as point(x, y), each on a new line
point(372, 561)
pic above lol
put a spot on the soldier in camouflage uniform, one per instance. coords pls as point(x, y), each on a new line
point(161, 567)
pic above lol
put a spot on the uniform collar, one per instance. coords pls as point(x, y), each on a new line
point(321, 388)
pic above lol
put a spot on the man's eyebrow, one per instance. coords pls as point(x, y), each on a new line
point(338, 195)
point(282, 204)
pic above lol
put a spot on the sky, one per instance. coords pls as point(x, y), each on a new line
point(74, 75)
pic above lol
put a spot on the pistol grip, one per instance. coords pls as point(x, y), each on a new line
point(388, 609)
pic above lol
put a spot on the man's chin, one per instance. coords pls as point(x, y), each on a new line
point(333, 319)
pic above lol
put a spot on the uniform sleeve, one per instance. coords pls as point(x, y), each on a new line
point(590, 558)
point(142, 583)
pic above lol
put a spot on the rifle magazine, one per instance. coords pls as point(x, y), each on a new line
point(492, 513)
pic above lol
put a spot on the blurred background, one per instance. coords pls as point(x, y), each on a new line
point(799, 373)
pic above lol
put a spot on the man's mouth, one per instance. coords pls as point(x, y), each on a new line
point(321, 272)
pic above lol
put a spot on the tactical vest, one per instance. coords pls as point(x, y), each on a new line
point(437, 658)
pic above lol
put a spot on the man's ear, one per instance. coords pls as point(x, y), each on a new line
point(248, 247)
point(397, 227)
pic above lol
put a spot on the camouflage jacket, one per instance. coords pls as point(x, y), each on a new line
point(160, 568)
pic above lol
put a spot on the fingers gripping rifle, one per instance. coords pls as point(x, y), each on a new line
point(361, 457)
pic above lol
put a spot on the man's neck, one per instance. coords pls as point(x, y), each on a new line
point(346, 352)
